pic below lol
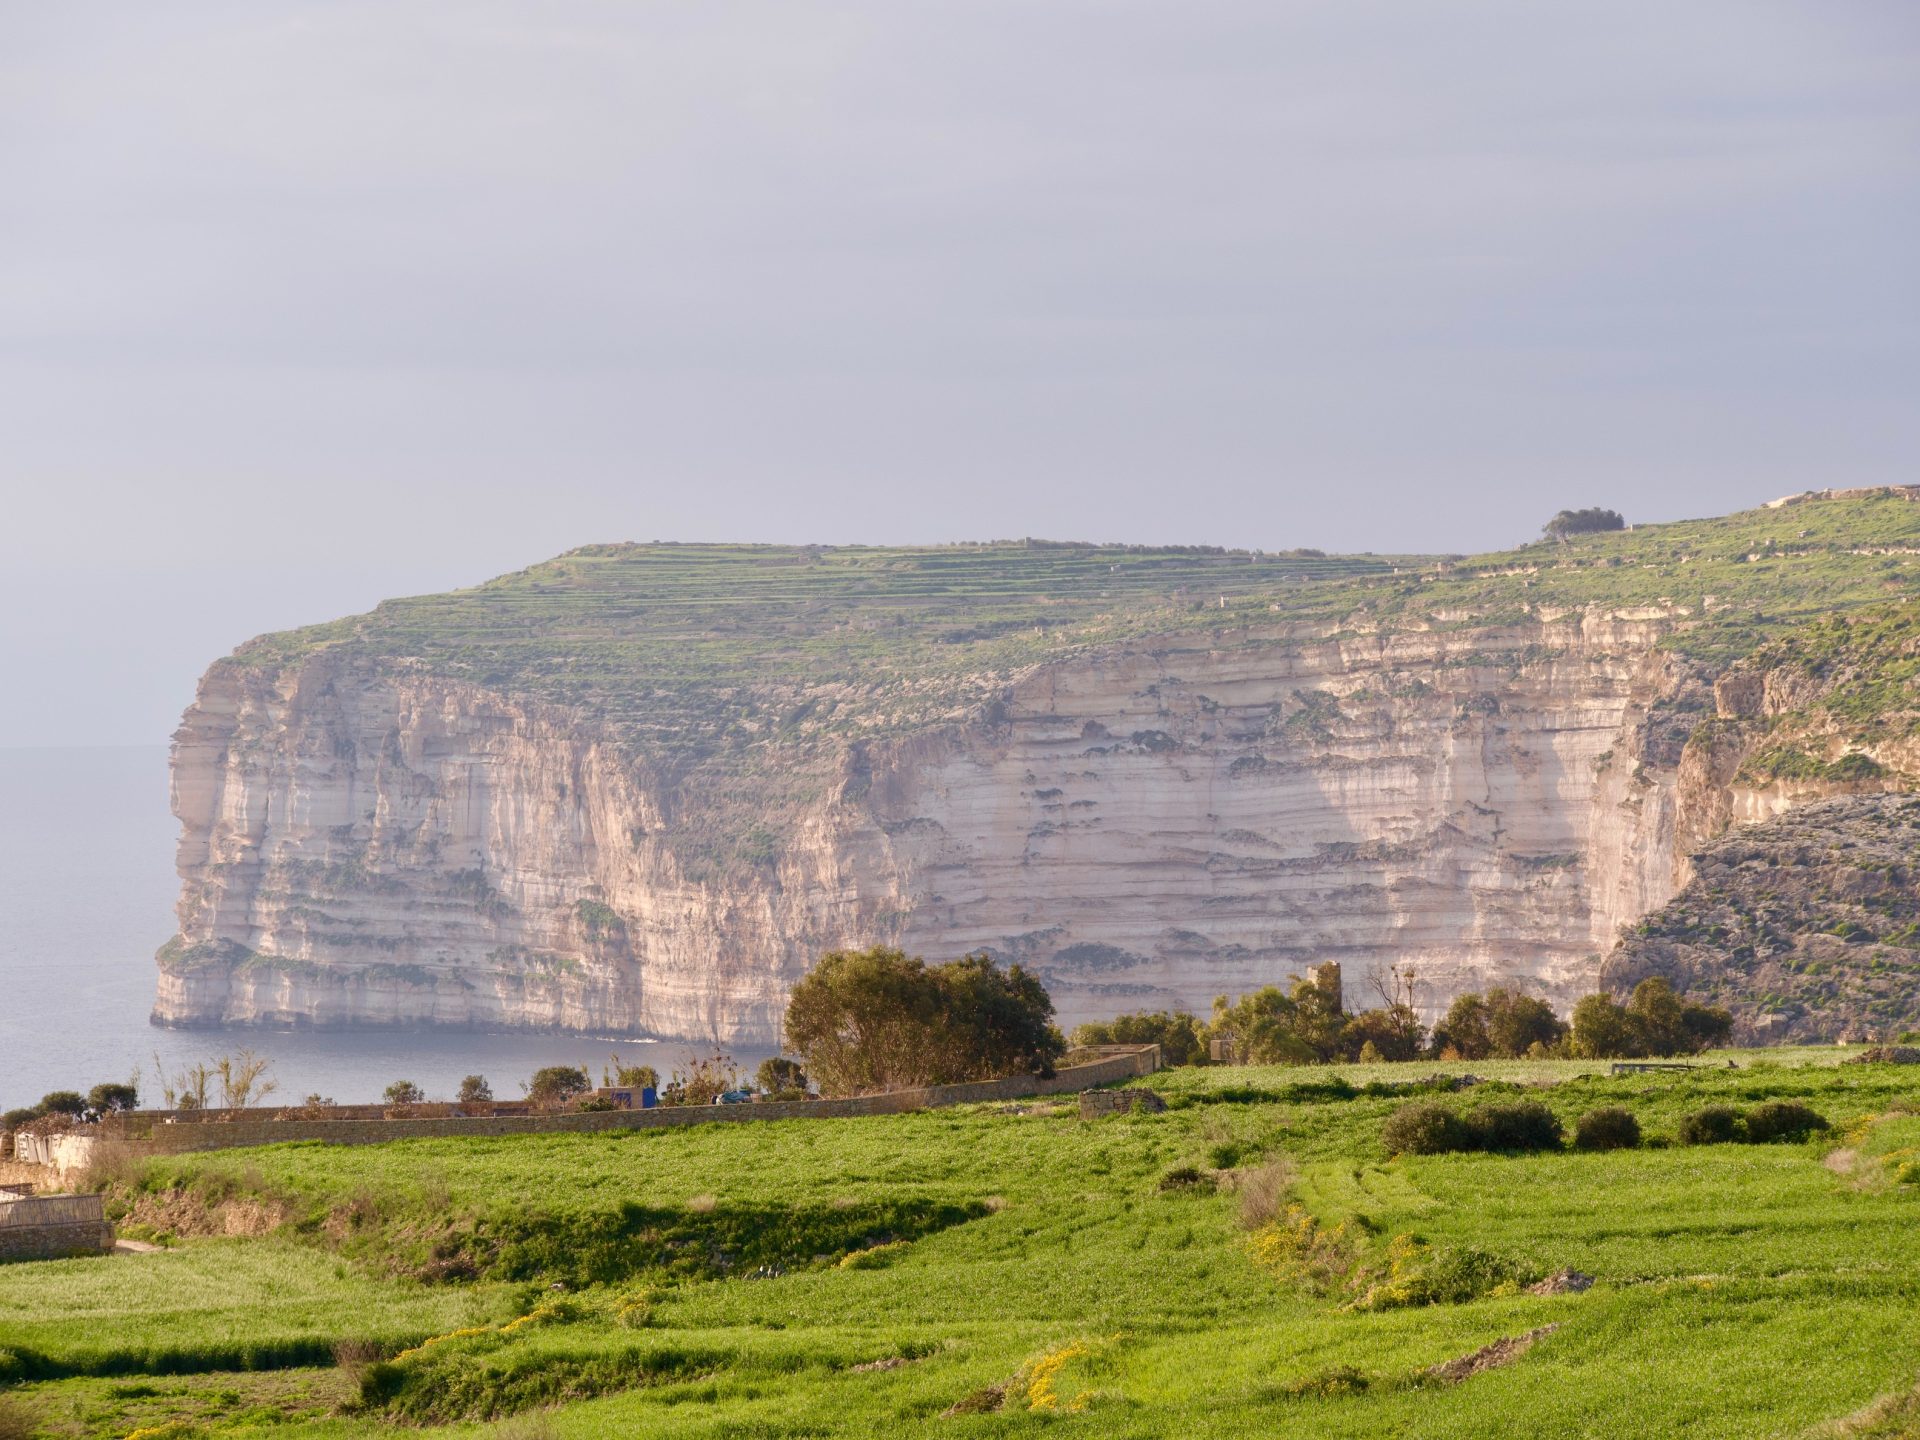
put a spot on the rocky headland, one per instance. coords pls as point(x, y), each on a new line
point(638, 788)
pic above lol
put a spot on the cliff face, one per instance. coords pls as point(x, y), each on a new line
point(639, 788)
point(1150, 825)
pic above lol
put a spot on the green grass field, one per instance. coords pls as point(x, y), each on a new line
point(863, 1277)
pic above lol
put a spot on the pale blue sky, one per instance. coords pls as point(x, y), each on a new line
point(303, 305)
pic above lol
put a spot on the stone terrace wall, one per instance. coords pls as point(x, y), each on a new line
point(1118, 1063)
point(51, 1227)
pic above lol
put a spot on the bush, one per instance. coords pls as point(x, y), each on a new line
point(1592, 521)
point(704, 1080)
point(1779, 1120)
point(1712, 1125)
point(1520, 1125)
point(1608, 1128)
point(875, 1020)
point(1425, 1127)
point(555, 1085)
point(778, 1075)
point(109, 1098)
point(403, 1092)
point(63, 1102)
point(474, 1090)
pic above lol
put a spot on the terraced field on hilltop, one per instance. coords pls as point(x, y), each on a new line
point(710, 647)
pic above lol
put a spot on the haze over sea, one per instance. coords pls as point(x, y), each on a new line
point(86, 895)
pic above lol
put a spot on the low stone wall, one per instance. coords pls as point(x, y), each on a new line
point(52, 1227)
point(1118, 1063)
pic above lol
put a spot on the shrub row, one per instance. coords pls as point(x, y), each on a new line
point(1428, 1127)
point(1775, 1121)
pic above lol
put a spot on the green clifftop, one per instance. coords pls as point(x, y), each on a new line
point(686, 649)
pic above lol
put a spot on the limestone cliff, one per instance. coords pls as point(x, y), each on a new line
point(639, 788)
point(1152, 825)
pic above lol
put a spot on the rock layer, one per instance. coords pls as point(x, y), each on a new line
point(1149, 825)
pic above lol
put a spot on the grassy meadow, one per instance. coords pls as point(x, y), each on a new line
point(1250, 1262)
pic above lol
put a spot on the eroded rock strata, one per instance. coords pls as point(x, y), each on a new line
point(1150, 826)
point(639, 788)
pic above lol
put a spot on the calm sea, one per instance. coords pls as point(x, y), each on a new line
point(86, 896)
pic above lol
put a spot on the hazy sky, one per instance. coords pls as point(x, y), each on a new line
point(303, 305)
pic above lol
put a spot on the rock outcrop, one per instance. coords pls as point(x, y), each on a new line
point(1806, 926)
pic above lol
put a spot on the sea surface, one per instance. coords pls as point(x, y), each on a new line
point(86, 896)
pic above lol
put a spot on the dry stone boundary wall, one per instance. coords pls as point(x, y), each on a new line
point(78, 1151)
point(51, 1227)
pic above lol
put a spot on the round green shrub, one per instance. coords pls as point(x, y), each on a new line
point(1782, 1120)
point(1712, 1125)
point(1611, 1127)
point(1516, 1125)
point(1425, 1127)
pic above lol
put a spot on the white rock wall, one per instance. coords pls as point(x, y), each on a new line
point(1148, 828)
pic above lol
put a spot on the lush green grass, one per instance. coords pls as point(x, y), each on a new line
point(216, 1304)
point(1743, 1290)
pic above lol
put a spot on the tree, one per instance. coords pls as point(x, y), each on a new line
point(108, 1098)
point(1583, 522)
point(1390, 1032)
point(633, 1077)
point(778, 1075)
point(878, 1019)
point(1667, 1025)
point(1463, 1031)
point(997, 1022)
point(1180, 1036)
point(1602, 1029)
point(1516, 1022)
point(1306, 1027)
point(474, 1090)
point(1259, 1028)
point(1708, 1025)
point(63, 1102)
point(1655, 1013)
point(403, 1092)
point(554, 1085)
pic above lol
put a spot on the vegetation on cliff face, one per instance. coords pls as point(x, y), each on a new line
point(1806, 927)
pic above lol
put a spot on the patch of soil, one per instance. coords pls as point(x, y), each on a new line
point(1563, 1282)
point(984, 1401)
point(1487, 1357)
